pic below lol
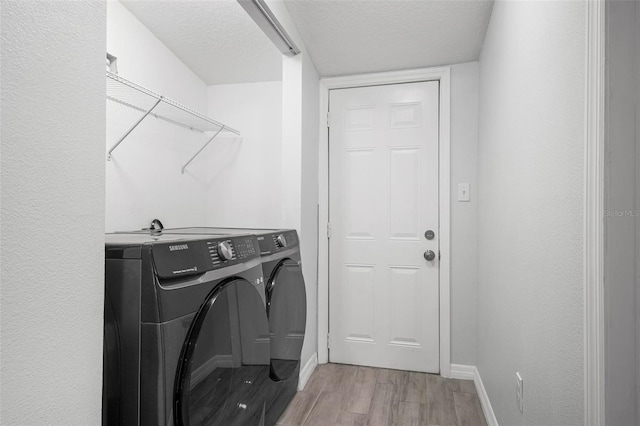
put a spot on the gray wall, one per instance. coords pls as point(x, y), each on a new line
point(530, 212)
point(52, 215)
point(464, 215)
point(637, 85)
point(620, 225)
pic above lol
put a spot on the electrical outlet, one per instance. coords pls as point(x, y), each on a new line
point(519, 392)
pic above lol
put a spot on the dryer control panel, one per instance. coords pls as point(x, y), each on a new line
point(188, 257)
point(277, 241)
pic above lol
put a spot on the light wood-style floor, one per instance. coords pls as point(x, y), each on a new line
point(344, 395)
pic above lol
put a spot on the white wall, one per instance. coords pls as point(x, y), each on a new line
point(300, 140)
point(464, 219)
point(291, 167)
point(270, 177)
point(620, 228)
point(244, 186)
point(266, 178)
point(52, 221)
point(144, 179)
point(530, 211)
point(309, 200)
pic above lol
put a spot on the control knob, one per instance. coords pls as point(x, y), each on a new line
point(281, 240)
point(225, 251)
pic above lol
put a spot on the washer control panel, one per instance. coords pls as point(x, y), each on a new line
point(188, 257)
point(232, 249)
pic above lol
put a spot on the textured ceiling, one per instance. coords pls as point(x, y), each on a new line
point(216, 39)
point(356, 36)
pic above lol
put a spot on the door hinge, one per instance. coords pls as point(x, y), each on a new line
point(328, 340)
point(439, 255)
point(328, 230)
point(328, 119)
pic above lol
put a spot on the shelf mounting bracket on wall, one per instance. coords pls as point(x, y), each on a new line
point(201, 149)
point(115, 145)
point(133, 95)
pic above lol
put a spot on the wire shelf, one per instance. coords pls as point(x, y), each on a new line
point(150, 103)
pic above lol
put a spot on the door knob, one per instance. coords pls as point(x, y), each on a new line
point(429, 255)
point(429, 235)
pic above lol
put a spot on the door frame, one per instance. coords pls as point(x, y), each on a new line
point(443, 75)
point(594, 230)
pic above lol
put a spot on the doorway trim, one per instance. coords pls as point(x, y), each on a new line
point(594, 321)
point(441, 74)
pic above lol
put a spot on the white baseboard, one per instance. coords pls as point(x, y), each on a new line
point(463, 372)
point(307, 371)
point(470, 372)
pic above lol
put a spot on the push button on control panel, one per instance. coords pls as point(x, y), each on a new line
point(244, 248)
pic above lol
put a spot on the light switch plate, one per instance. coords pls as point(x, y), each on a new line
point(463, 192)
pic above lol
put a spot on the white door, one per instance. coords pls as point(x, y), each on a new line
point(383, 185)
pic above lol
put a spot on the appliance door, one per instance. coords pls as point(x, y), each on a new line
point(287, 311)
point(223, 372)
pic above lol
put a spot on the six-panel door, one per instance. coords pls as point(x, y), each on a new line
point(383, 143)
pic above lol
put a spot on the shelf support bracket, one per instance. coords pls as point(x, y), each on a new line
point(133, 127)
point(203, 147)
